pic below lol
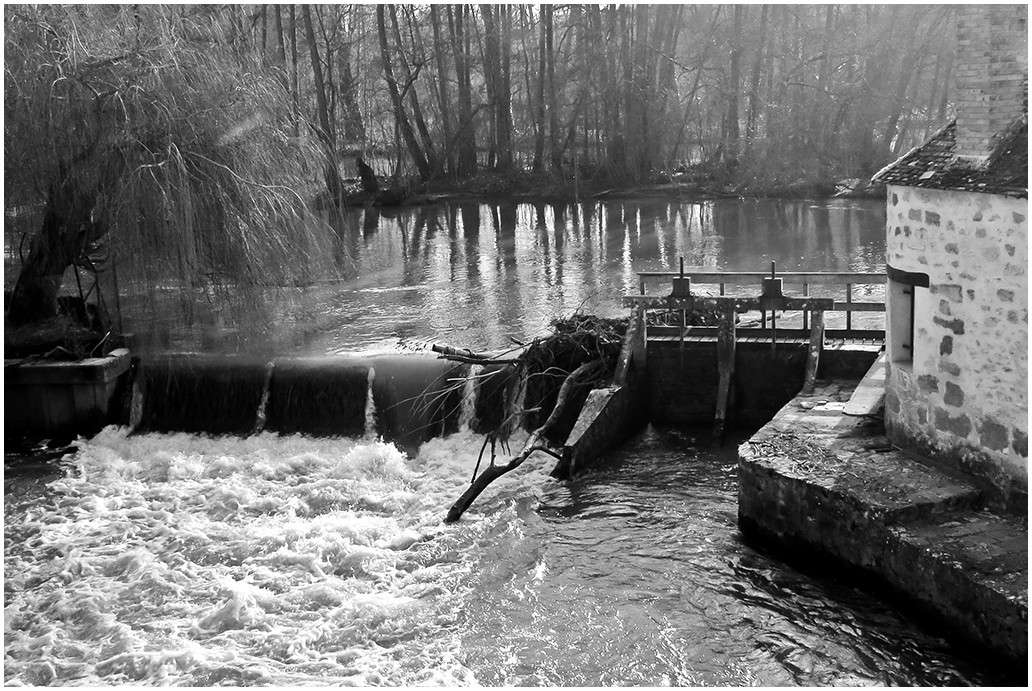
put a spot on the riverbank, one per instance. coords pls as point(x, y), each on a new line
point(689, 185)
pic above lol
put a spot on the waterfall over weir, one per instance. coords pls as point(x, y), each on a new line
point(403, 398)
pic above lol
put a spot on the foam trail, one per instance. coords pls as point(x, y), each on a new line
point(370, 408)
point(179, 559)
point(261, 416)
point(469, 398)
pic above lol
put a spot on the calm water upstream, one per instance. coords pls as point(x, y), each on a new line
point(178, 559)
point(477, 274)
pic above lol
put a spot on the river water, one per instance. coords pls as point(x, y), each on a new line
point(188, 560)
point(478, 274)
point(288, 560)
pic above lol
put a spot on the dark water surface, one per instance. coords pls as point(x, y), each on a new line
point(642, 578)
point(476, 274)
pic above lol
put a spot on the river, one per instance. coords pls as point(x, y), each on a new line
point(478, 274)
point(288, 560)
point(187, 560)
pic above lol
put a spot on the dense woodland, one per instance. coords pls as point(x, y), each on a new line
point(189, 131)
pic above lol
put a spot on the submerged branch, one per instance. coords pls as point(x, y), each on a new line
point(536, 442)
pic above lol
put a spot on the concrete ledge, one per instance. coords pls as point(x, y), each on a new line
point(607, 418)
point(89, 370)
point(819, 480)
point(61, 399)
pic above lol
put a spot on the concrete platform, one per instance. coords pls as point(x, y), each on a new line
point(822, 479)
point(61, 400)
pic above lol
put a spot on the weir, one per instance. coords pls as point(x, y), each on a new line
point(786, 369)
point(406, 399)
point(670, 372)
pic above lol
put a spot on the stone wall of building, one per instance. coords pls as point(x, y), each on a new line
point(959, 390)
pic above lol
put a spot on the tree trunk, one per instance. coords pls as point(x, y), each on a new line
point(281, 53)
point(538, 441)
point(539, 113)
point(400, 116)
point(553, 99)
point(295, 89)
point(443, 101)
point(413, 96)
point(65, 231)
point(491, 81)
point(503, 107)
point(754, 88)
point(325, 129)
point(354, 128)
point(466, 132)
point(731, 129)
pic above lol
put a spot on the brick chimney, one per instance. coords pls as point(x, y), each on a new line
point(991, 78)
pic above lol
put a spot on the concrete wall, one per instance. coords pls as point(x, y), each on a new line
point(682, 380)
point(62, 400)
point(611, 414)
point(961, 393)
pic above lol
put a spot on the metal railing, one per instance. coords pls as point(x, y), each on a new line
point(847, 280)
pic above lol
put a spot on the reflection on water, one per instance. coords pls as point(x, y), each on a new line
point(478, 274)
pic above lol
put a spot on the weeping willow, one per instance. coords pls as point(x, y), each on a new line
point(158, 140)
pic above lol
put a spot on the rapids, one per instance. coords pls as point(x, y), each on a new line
point(180, 559)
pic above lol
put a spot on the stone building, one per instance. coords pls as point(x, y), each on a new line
point(957, 256)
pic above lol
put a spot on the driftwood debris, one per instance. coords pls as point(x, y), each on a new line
point(538, 440)
point(469, 357)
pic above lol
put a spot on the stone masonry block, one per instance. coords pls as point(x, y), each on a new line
point(993, 435)
point(928, 383)
point(954, 325)
point(954, 395)
point(950, 291)
point(960, 425)
point(1020, 442)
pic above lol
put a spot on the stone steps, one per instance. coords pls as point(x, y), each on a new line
point(971, 567)
point(821, 481)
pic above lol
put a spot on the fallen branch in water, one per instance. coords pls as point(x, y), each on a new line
point(536, 442)
point(469, 357)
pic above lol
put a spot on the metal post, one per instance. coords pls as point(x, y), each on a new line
point(806, 313)
point(725, 371)
point(813, 353)
point(849, 311)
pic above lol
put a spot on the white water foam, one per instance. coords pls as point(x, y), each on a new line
point(469, 397)
point(261, 415)
point(188, 560)
point(370, 408)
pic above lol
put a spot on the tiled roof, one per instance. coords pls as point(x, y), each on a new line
point(933, 165)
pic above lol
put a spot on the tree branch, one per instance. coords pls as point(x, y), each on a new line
point(536, 441)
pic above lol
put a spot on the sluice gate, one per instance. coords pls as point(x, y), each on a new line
point(744, 365)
